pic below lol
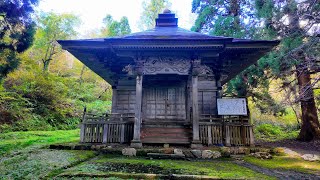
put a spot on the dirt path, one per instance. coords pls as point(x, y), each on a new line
point(280, 174)
point(296, 146)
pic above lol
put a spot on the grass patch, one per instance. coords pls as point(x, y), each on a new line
point(40, 163)
point(111, 163)
point(29, 139)
point(287, 163)
point(270, 132)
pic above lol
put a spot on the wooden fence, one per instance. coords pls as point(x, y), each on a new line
point(118, 128)
point(113, 128)
point(226, 130)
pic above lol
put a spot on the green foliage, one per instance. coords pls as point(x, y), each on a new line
point(34, 100)
point(225, 18)
point(114, 28)
point(150, 11)
point(53, 27)
point(16, 32)
point(270, 132)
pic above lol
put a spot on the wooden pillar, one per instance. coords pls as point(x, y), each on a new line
point(137, 119)
point(114, 99)
point(195, 114)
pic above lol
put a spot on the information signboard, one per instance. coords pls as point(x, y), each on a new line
point(232, 106)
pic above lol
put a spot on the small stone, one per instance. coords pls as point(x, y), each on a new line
point(243, 150)
point(167, 150)
point(166, 145)
point(278, 151)
point(234, 150)
point(129, 152)
point(216, 154)
point(100, 146)
point(311, 157)
point(262, 155)
point(178, 151)
point(206, 154)
point(196, 153)
point(188, 154)
point(225, 151)
point(237, 157)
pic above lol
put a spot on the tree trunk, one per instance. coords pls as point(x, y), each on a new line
point(310, 128)
point(46, 64)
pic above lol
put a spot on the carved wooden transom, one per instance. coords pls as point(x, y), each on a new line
point(166, 65)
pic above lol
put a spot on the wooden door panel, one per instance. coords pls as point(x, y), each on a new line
point(167, 103)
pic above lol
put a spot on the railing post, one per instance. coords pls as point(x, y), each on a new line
point(210, 132)
point(227, 136)
point(122, 126)
point(82, 131)
point(251, 136)
point(83, 126)
point(105, 133)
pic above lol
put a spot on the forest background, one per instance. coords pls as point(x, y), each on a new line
point(43, 87)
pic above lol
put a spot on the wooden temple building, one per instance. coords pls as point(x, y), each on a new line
point(166, 83)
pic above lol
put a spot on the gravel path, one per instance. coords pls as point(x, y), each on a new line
point(280, 174)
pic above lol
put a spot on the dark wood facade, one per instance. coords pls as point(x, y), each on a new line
point(167, 81)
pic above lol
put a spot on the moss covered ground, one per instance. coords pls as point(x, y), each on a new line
point(27, 140)
point(287, 163)
point(106, 164)
point(41, 163)
point(24, 155)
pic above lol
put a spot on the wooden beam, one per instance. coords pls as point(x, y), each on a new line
point(136, 142)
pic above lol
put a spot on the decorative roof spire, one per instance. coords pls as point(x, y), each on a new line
point(166, 19)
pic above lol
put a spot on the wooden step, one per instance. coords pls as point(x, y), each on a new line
point(162, 141)
point(173, 135)
point(166, 130)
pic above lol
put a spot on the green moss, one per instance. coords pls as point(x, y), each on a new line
point(35, 139)
point(219, 168)
point(287, 163)
point(40, 163)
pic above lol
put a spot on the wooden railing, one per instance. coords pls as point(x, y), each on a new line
point(109, 128)
point(225, 130)
point(211, 133)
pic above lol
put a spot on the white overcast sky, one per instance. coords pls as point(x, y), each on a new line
point(92, 12)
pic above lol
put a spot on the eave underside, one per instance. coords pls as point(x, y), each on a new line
point(108, 60)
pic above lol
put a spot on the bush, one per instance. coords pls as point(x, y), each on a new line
point(269, 130)
point(272, 132)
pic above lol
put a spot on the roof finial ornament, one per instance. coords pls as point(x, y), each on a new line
point(166, 11)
